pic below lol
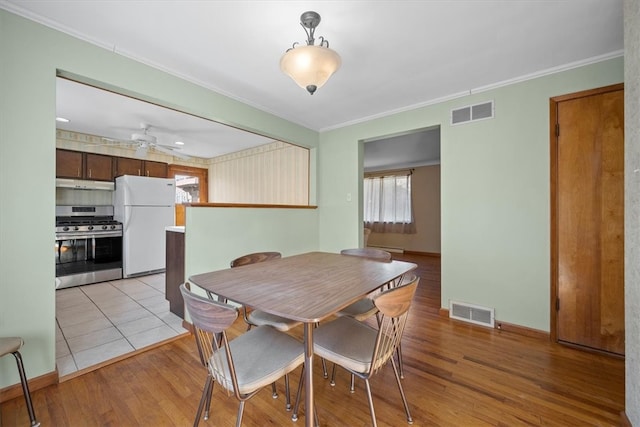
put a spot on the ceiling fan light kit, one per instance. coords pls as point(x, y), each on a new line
point(144, 141)
point(143, 138)
point(310, 66)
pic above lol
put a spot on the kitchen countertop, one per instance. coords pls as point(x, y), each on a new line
point(175, 228)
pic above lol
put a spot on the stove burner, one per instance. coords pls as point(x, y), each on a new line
point(75, 221)
point(85, 221)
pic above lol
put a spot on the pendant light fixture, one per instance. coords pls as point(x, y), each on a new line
point(310, 66)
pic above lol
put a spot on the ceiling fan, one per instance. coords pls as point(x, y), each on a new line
point(143, 141)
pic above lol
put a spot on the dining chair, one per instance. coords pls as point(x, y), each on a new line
point(249, 259)
point(361, 348)
point(365, 236)
point(363, 308)
point(12, 345)
point(259, 317)
point(244, 365)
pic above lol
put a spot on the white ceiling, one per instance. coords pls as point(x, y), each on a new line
point(99, 112)
point(396, 54)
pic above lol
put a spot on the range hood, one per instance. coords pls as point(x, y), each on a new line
point(81, 184)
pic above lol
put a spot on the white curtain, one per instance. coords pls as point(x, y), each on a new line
point(388, 206)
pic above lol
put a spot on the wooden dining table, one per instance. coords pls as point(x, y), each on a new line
point(308, 287)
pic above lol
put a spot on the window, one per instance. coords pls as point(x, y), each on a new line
point(387, 203)
point(191, 187)
point(187, 188)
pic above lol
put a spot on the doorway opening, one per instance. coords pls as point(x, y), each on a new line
point(416, 152)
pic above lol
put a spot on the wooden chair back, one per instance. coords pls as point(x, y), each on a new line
point(210, 320)
point(255, 258)
point(393, 306)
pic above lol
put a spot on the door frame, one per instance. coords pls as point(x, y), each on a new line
point(553, 170)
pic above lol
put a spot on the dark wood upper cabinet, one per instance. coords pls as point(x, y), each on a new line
point(69, 164)
point(127, 166)
point(156, 169)
point(102, 167)
point(98, 167)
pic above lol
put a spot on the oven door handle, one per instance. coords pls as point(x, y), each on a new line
point(89, 235)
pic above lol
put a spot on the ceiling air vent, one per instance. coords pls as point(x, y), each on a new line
point(472, 113)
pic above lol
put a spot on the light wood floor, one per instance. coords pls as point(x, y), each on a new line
point(456, 375)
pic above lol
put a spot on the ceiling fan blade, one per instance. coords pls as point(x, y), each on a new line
point(116, 141)
point(171, 152)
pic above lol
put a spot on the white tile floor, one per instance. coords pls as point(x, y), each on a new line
point(98, 322)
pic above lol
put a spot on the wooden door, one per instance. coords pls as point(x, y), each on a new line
point(587, 153)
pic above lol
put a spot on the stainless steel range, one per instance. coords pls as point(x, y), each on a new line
point(88, 245)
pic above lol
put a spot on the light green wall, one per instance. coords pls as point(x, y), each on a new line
point(227, 233)
point(494, 194)
point(632, 208)
point(30, 55)
point(495, 180)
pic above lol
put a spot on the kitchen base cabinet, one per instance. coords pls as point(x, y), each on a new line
point(174, 273)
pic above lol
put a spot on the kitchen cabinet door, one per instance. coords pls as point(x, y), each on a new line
point(174, 273)
point(99, 167)
point(155, 169)
point(69, 164)
point(127, 166)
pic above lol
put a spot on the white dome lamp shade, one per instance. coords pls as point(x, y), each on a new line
point(310, 66)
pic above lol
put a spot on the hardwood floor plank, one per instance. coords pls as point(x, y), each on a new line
point(456, 374)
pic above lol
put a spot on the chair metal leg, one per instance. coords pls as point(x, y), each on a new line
point(207, 407)
point(240, 412)
point(352, 386)
point(206, 394)
point(373, 412)
point(286, 390)
point(333, 376)
point(294, 416)
point(400, 364)
point(25, 389)
point(274, 392)
point(325, 374)
point(404, 398)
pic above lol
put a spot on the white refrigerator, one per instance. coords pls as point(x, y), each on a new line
point(145, 206)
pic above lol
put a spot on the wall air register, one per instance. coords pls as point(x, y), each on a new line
point(472, 313)
point(472, 113)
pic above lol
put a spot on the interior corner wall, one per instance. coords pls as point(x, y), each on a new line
point(632, 208)
point(31, 56)
point(495, 191)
